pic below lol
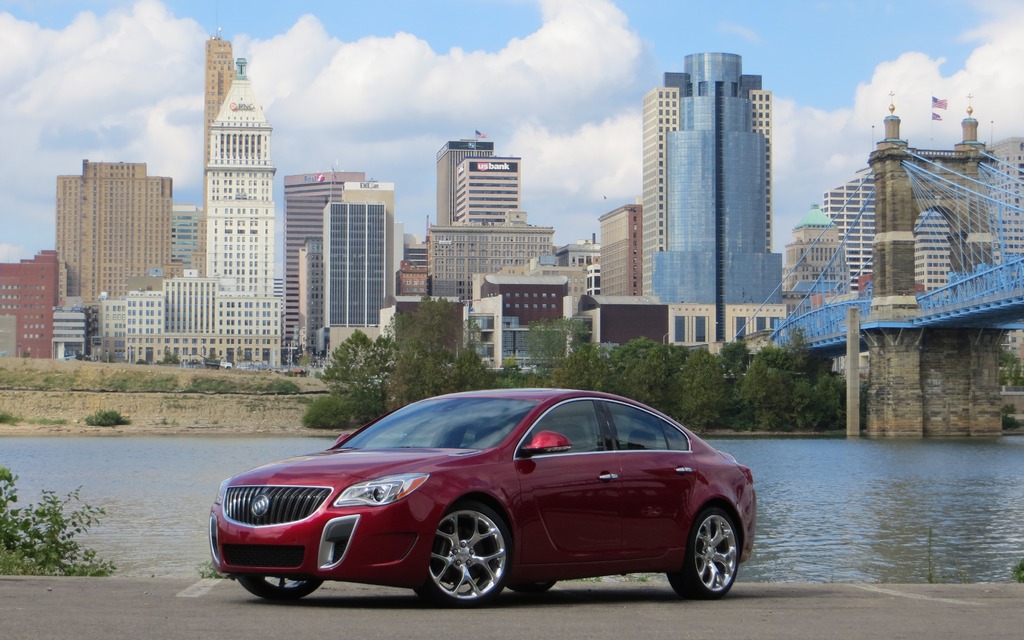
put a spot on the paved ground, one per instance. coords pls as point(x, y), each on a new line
point(160, 608)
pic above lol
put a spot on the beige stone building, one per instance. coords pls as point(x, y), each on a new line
point(113, 221)
point(622, 251)
point(458, 252)
point(220, 73)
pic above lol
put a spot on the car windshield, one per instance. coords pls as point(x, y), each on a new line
point(445, 423)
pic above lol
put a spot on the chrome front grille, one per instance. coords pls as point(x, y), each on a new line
point(282, 505)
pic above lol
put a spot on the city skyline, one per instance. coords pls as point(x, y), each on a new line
point(125, 84)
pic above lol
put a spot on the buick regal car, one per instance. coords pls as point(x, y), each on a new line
point(460, 496)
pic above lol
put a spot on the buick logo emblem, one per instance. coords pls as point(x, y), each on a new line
point(260, 505)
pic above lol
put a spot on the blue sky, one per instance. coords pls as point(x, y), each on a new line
point(378, 87)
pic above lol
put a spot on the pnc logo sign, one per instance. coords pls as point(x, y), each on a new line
point(242, 106)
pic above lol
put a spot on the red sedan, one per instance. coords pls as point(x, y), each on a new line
point(460, 496)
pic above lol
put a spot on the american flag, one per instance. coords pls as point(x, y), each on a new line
point(480, 134)
point(939, 104)
point(936, 116)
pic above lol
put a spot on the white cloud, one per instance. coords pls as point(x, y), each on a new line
point(817, 150)
point(127, 86)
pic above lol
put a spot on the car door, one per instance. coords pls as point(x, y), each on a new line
point(657, 479)
point(571, 500)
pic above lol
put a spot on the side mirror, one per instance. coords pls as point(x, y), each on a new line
point(342, 438)
point(544, 442)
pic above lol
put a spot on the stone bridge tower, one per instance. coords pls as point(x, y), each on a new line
point(924, 382)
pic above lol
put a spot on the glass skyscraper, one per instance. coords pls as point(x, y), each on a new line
point(717, 223)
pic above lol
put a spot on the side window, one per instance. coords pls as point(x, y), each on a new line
point(636, 430)
point(576, 421)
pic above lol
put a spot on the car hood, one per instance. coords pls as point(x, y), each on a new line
point(341, 467)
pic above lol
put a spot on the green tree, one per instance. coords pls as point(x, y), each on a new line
point(358, 374)
point(431, 357)
point(767, 390)
point(735, 358)
point(586, 367)
point(548, 342)
point(704, 399)
point(647, 371)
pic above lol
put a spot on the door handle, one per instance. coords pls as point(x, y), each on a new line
point(608, 477)
point(684, 470)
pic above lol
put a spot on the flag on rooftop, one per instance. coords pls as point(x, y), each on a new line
point(480, 134)
point(936, 116)
point(939, 104)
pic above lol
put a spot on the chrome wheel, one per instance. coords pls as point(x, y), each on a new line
point(278, 588)
point(469, 558)
point(711, 558)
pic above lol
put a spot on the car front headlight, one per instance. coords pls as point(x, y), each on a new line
point(381, 491)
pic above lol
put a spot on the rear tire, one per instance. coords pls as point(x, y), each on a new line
point(276, 588)
point(470, 558)
point(712, 556)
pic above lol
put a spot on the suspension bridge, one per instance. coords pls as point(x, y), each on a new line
point(933, 354)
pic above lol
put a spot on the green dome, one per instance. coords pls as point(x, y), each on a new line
point(814, 218)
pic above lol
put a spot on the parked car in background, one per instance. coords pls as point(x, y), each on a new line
point(461, 496)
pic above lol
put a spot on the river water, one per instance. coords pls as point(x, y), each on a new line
point(830, 510)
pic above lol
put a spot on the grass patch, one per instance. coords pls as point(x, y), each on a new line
point(207, 571)
point(47, 421)
point(106, 419)
point(8, 418)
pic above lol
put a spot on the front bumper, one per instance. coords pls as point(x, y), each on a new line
point(382, 545)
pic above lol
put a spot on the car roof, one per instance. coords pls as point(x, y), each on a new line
point(537, 394)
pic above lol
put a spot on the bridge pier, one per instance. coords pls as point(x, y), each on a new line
point(933, 382)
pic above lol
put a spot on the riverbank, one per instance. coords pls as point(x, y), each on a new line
point(53, 398)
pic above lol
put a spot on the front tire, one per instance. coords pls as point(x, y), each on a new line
point(712, 556)
point(470, 558)
point(275, 588)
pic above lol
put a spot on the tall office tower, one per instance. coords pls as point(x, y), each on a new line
point(458, 252)
point(311, 293)
point(707, 232)
point(932, 262)
point(113, 222)
point(359, 254)
point(186, 221)
point(486, 189)
point(29, 291)
point(240, 183)
point(305, 196)
point(449, 158)
point(851, 206)
point(220, 73)
point(812, 267)
point(1010, 163)
point(622, 251)
point(712, 84)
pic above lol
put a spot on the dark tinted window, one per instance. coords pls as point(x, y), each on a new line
point(639, 430)
point(576, 421)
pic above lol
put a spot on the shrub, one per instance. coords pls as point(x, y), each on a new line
point(7, 418)
point(40, 539)
point(106, 419)
point(328, 412)
point(1009, 420)
point(1018, 572)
